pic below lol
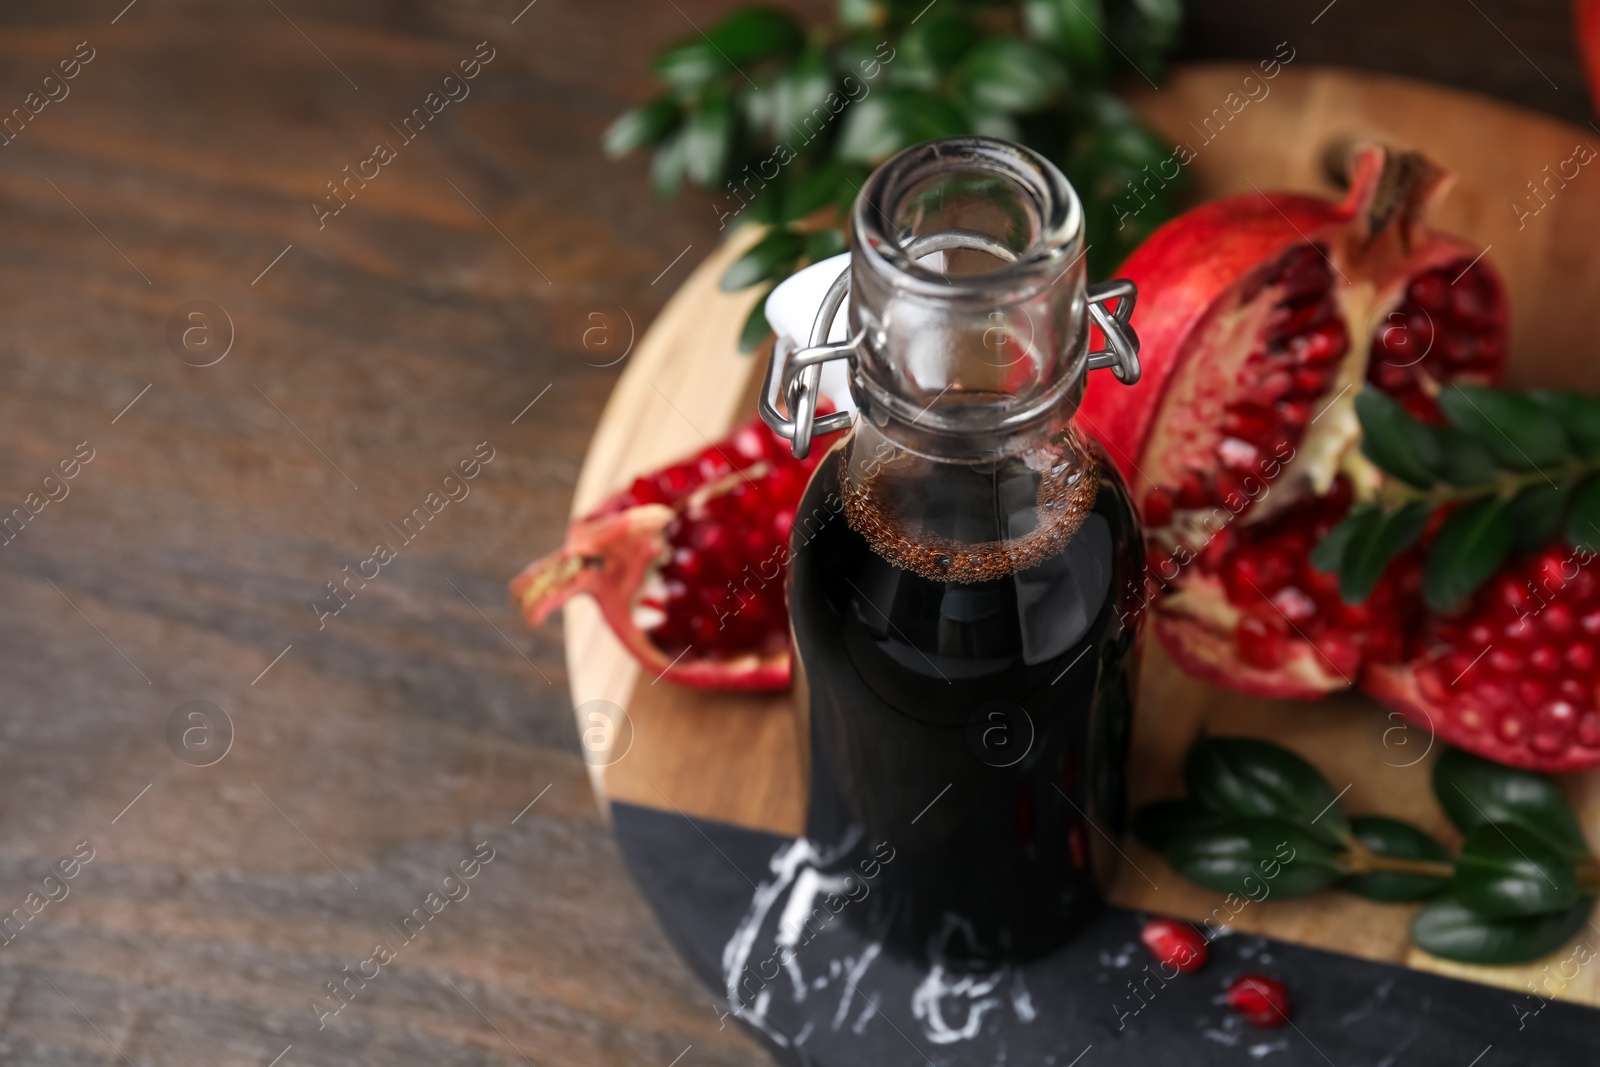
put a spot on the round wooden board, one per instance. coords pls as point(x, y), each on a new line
point(733, 757)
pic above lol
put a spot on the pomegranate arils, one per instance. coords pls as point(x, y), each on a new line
point(1440, 331)
point(687, 563)
point(1175, 943)
point(1260, 999)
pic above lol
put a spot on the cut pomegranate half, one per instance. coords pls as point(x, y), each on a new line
point(687, 564)
point(1262, 317)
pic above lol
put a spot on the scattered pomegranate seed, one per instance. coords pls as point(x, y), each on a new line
point(1261, 1000)
point(1175, 942)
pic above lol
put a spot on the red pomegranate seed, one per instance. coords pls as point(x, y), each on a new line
point(1430, 291)
point(1175, 942)
point(1158, 508)
point(1260, 999)
point(1259, 644)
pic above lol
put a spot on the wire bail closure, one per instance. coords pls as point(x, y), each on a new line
point(799, 376)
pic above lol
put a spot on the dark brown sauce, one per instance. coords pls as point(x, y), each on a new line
point(968, 680)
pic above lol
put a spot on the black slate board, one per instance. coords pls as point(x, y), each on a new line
point(707, 880)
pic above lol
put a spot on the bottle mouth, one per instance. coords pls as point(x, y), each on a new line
point(968, 218)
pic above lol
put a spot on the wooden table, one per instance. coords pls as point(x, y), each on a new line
point(369, 357)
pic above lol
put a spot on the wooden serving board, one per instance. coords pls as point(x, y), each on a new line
point(734, 757)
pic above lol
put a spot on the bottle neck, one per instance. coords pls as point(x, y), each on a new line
point(967, 287)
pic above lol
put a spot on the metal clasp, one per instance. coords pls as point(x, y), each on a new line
point(1123, 355)
point(800, 376)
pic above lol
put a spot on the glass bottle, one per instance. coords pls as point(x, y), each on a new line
point(960, 562)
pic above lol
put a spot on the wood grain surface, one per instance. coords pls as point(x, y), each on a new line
point(734, 759)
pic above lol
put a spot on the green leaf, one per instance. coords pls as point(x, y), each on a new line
point(1463, 460)
point(643, 127)
point(823, 244)
point(811, 191)
point(1256, 858)
point(1393, 439)
point(1536, 514)
point(708, 140)
point(756, 33)
point(1470, 547)
point(1157, 825)
point(877, 126)
point(746, 36)
point(667, 166)
point(1329, 552)
point(799, 112)
point(1517, 429)
point(1244, 776)
point(1373, 546)
point(1506, 870)
point(1450, 930)
point(1073, 29)
point(1398, 840)
point(689, 65)
point(1583, 520)
point(1012, 75)
point(929, 50)
point(774, 254)
point(1475, 792)
point(756, 328)
point(1579, 415)
point(1164, 17)
point(871, 131)
point(861, 14)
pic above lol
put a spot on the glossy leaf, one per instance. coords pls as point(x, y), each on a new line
point(1163, 17)
point(1157, 825)
point(1399, 840)
point(708, 140)
point(1073, 29)
point(643, 127)
point(877, 126)
point(809, 191)
point(667, 166)
point(1008, 74)
point(1583, 519)
point(774, 254)
point(690, 65)
point(799, 100)
point(824, 244)
point(929, 51)
point(1258, 858)
point(1536, 514)
point(1475, 792)
point(871, 130)
point(1579, 415)
point(1244, 776)
point(1328, 554)
point(1463, 459)
point(1517, 429)
point(1372, 547)
point(756, 329)
point(1506, 870)
point(1450, 930)
point(1471, 545)
point(756, 33)
point(1396, 441)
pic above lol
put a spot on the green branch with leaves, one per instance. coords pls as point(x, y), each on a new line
point(1262, 823)
point(1511, 471)
point(785, 122)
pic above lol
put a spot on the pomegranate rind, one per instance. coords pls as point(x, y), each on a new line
point(609, 558)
